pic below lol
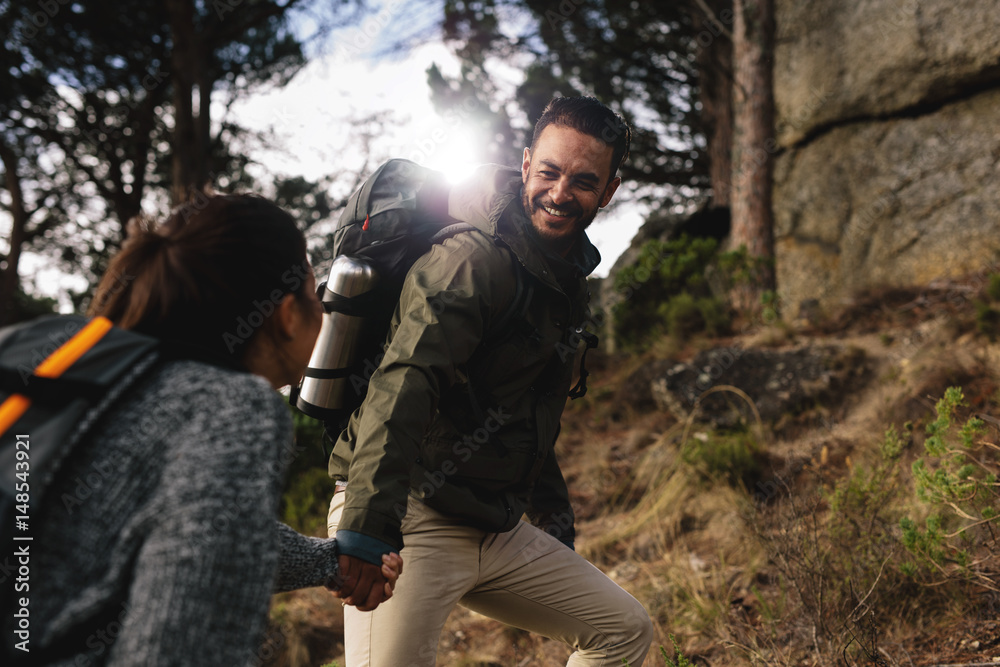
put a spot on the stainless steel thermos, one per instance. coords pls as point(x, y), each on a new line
point(328, 385)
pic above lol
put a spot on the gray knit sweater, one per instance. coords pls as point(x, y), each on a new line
point(157, 544)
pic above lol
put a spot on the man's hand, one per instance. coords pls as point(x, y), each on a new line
point(365, 585)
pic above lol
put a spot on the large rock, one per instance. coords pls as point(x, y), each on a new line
point(778, 382)
point(839, 61)
point(891, 202)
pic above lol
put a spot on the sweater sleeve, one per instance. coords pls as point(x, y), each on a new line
point(202, 579)
point(305, 561)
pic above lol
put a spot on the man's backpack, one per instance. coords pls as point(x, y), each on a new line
point(395, 217)
point(58, 376)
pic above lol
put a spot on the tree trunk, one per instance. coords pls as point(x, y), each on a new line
point(753, 145)
point(9, 280)
point(714, 60)
point(185, 143)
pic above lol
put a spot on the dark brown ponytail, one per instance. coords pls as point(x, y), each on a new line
point(209, 277)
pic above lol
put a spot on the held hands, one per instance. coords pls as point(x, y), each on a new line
point(364, 585)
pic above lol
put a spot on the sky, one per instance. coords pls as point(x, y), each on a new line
point(310, 120)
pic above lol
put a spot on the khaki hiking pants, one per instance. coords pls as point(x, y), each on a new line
point(525, 578)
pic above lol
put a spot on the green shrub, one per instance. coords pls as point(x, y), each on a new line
point(685, 315)
point(681, 659)
point(993, 287)
point(666, 292)
point(733, 456)
point(958, 479)
point(987, 319)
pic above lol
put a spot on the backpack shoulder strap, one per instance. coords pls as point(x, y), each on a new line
point(58, 387)
point(52, 366)
point(516, 310)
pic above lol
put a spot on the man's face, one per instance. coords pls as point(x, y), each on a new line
point(566, 180)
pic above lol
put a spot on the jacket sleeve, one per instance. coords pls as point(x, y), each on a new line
point(448, 299)
point(550, 508)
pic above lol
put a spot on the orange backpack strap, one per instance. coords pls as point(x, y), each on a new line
point(55, 365)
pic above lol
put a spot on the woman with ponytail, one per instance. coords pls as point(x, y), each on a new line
point(165, 548)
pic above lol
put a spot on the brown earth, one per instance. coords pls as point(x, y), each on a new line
point(714, 558)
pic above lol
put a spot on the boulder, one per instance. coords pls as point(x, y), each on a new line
point(842, 61)
point(893, 202)
point(778, 382)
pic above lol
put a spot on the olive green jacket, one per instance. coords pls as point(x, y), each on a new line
point(485, 461)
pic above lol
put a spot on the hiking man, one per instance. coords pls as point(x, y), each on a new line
point(454, 442)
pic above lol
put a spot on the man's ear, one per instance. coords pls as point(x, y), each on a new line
point(610, 190)
point(525, 165)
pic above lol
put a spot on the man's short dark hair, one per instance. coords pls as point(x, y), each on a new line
point(589, 116)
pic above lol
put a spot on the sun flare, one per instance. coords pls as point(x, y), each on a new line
point(452, 150)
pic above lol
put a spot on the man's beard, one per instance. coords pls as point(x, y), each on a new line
point(581, 222)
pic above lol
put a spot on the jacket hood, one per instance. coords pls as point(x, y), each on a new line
point(490, 200)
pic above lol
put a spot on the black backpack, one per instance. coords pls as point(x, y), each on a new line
point(395, 217)
point(58, 376)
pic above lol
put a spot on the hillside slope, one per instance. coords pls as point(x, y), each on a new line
point(775, 543)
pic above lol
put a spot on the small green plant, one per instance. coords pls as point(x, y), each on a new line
point(743, 276)
point(993, 287)
point(665, 291)
point(865, 491)
point(679, 659)
point(685, 315)
point(958, 479)
point(987, 319)
point(733, 456)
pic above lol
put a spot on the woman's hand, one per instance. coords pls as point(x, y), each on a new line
point(364, 585)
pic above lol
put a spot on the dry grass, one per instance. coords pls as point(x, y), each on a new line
point(757, 569)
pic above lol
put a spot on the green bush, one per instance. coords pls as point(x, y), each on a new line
point(666, 292)
point(733, 456)
point(958, 479)
point(993, 287)
point(684, 315)
point(987, 319)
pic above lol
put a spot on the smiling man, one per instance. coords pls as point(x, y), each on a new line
point(454, 442)
point(567, 175)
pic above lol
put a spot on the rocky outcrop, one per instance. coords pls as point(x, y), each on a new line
point(779, 383)
point(888, 121)
point(838, 62)
point(891, 202)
